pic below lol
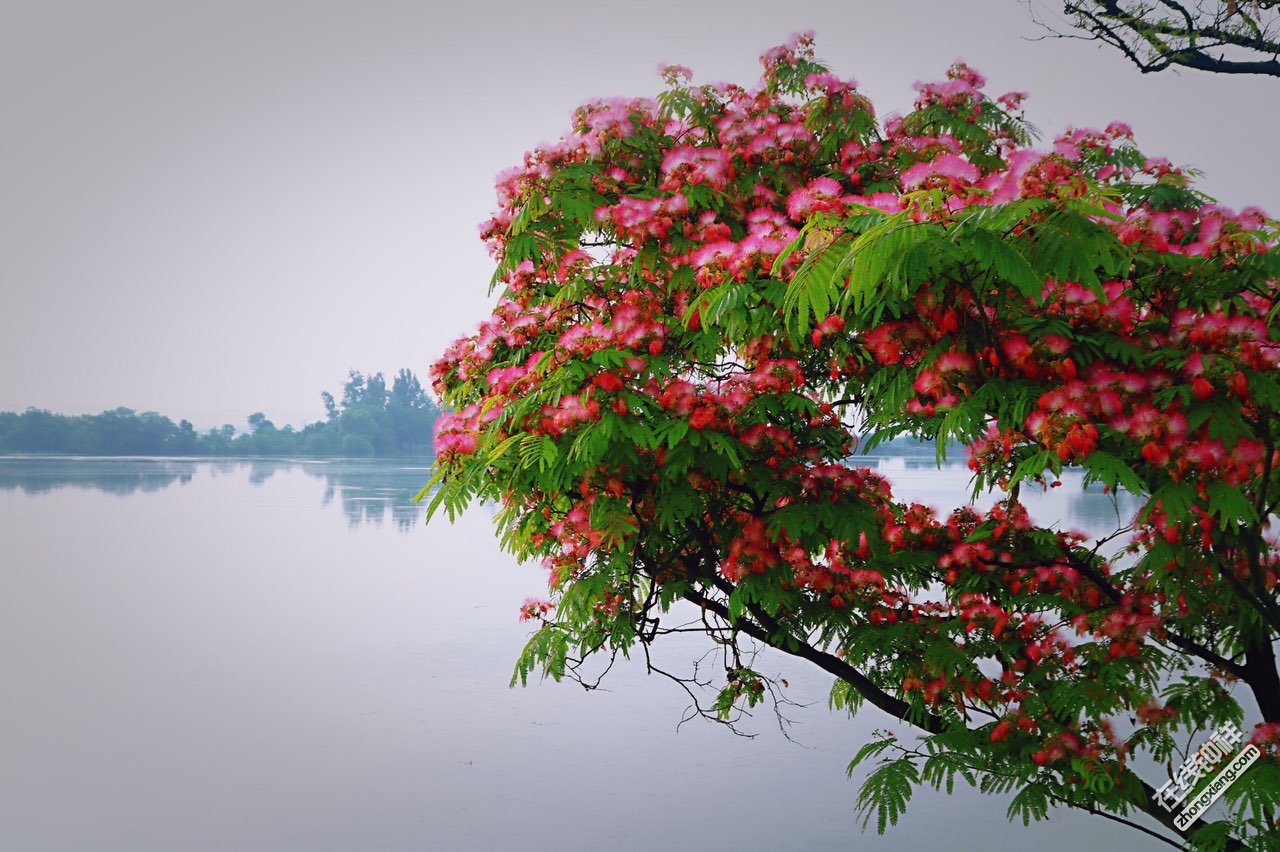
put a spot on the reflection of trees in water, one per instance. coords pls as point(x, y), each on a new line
point(377, 492)
point(368, 492)
point(112, 475)
point(1069, 507)
point(1091, 509)
point(260, 471)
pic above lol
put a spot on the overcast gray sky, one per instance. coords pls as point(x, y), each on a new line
point(212, 208)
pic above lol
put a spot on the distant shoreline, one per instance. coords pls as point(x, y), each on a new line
point(369, 418)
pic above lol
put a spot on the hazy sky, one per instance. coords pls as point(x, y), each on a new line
point(212, 208)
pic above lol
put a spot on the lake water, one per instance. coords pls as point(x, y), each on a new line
point(272, 655)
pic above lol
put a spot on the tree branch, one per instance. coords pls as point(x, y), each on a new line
point(830, 663)
point(1154, 39)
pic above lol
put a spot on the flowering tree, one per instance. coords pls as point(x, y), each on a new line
point(707, 297)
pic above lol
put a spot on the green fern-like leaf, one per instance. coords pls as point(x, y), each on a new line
point(1031, 804)
point(886, 792)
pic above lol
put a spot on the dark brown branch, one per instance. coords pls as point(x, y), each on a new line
point(1155, 38)
point(1130, 823)
point(829, 663)
point(1262, 677)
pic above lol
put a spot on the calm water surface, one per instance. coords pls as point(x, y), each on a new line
point(225, 655)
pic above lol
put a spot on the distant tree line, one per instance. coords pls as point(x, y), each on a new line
point(369, 420)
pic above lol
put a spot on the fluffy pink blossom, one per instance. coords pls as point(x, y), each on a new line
point(947, 165)
point(534, 608)
point(692, 165)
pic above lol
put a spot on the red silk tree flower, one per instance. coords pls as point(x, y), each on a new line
point(707, 297)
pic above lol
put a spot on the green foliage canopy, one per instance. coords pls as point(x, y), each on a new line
point(707, 295)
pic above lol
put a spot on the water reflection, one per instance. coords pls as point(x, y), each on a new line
point(1071, 506)
point(374, 493)
point(368, 492)
point(122, 476)
point(371, 492)
point(380, 491)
